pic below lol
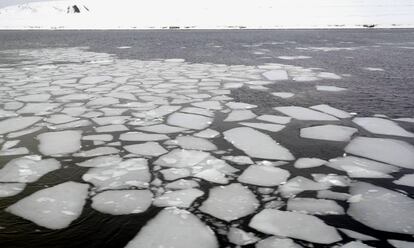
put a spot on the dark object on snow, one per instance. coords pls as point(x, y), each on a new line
point(369, 25)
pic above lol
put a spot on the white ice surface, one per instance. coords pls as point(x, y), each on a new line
point(382, 126)
point(262, 175)
point(302, 113)
point(179, 198)
point(119, 202)
point(59, 143)
point(328, 132)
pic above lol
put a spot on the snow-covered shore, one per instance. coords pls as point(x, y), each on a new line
point(213, 14)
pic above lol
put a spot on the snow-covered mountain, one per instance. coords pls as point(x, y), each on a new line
point(105, 14)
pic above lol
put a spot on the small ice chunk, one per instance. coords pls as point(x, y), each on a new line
point(55, 207)
point(129, 173)
point(305, 114)
point(302, 163)
point(146, 149)
point(207, 133)
point(406, 180)
point(180, 158)
point(215, 105)
point(195, 143)
point(212, 175)
point(239, 237)
point(328, 194)
point(111, 128)
point(331, 111)
point(240, 115)
point(275, 119)
point(356, 235)
point(239, 159)
point(14, 151)
point(356, 244)
point(199, 111)
point(190, 121)
point(299, 184)
point(139, 136)
point(385, 150)
point(17, 123)
point(99, 137)
point(175, 173)
point(58, 143)
point(102, 161)
point(283, 95)
point(276, 75)
point(182, 184)
point(120, 202)
point(328, 132)
point(294, 225)
point(262, 175)
point(332, 179)
point(381, 126)
point(230, 202)
point(361, 167)
point(275, 242)
point(11, 189)
point(329, 88)
point(314, 206)
point(180, 229)
point(180, 198)
point(27, 169)
point(34, 98)
point(60, 118)
point(382, 209)
point(256, 144)
point(264, 126)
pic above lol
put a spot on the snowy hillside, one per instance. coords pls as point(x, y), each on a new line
point(94, 14)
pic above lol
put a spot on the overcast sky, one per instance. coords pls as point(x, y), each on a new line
point(4, 3)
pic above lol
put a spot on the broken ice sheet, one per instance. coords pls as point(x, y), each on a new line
point(55, 207)
point(262, 175)
point(11, 189)
point(190, 121)
point(302, 163)
point(230, 202)
point(381, 126)
point(256, 144)
point(299, 184)
point(119, 202)
point(17, 123)
point(406, 180)
point(101, 161)
point(27, 169)
point(276, 242)
point(294, 225)
point(176, 235)
point(302, 113)
point(195, 143)
point(179, 198)
point(264, 126)
point(146, 149)
point(314, 206)
point(331, 111)
point(240, 115)
point(329, 88)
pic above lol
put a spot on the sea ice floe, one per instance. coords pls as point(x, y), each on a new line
point(283, 94)
point(400, 243)
point(230, 202)
point(302, 163)
point(381, 126)
point(328, 132)
point(299, 184)
point(240, 115)
point(294, 57)
point(314, 206)
point(382, 209)
point(175, 173)
point(239, 159)
point(179, 198)
point(362, 168)
point(17, 123)
point(294, 225)
point(331, 111)
point(176, 235)
point(55, 207)
point(99, 151)
point(262, 175)
point(264, 126)
point(256, 144)
point(240, 105)
point(356, 235)
point(207, 133)
point(139, 136)
point(111, 128)
point(406, 180)
point(180, 158)
point(190, 121)
point(102, 161)
point(129, 173)
point(329, 194)
point(27, 169)
point(182, 184)
point(329, 88)
point(98, 137)
point(276, 242)
point(275, 119)
point(332, 179)
point(391, 151)
point(214, 105)
point(23, 132)
point(60, 118)
point(302, 113)
point(60, 143)
point(276, 75)
point(199, 111)
point(161, 128)
point(356, 244)
point(11, 189)
point(195, 143)
point(152, 149)
point(212, 175)
point(119, 202)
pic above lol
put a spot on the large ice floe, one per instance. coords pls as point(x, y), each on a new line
point(170, 142)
